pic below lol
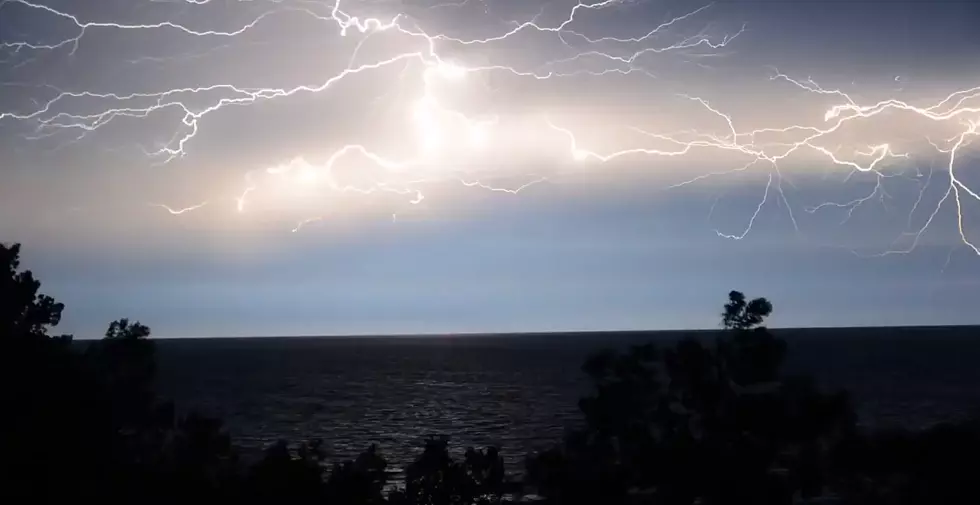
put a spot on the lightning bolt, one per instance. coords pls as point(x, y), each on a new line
point(446, 137)
point(177, 212)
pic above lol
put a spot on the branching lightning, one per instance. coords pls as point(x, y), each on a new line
point(438, 130)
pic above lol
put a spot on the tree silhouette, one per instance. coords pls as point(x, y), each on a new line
point(42, 385)
point(24, 313)
point(122, 329)
point(125, 363)
point(87, 425)
point(739, 315)
point(694, 424)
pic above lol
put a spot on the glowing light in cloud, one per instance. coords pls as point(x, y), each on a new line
point(448, 140)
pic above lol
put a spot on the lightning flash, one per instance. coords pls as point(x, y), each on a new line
point(450, 144)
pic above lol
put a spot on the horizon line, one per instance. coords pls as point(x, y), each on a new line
point(551, 332)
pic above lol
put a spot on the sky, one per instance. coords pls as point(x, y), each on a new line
point(301, 167)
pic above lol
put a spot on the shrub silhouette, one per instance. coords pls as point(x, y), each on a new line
point(287, 476)
point(485, 470)
point(359, 482)
point(435, 478)
point(898, 467)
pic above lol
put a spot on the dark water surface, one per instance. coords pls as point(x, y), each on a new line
point(518, 392)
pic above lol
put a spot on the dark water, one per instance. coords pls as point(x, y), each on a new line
point(518, 392)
